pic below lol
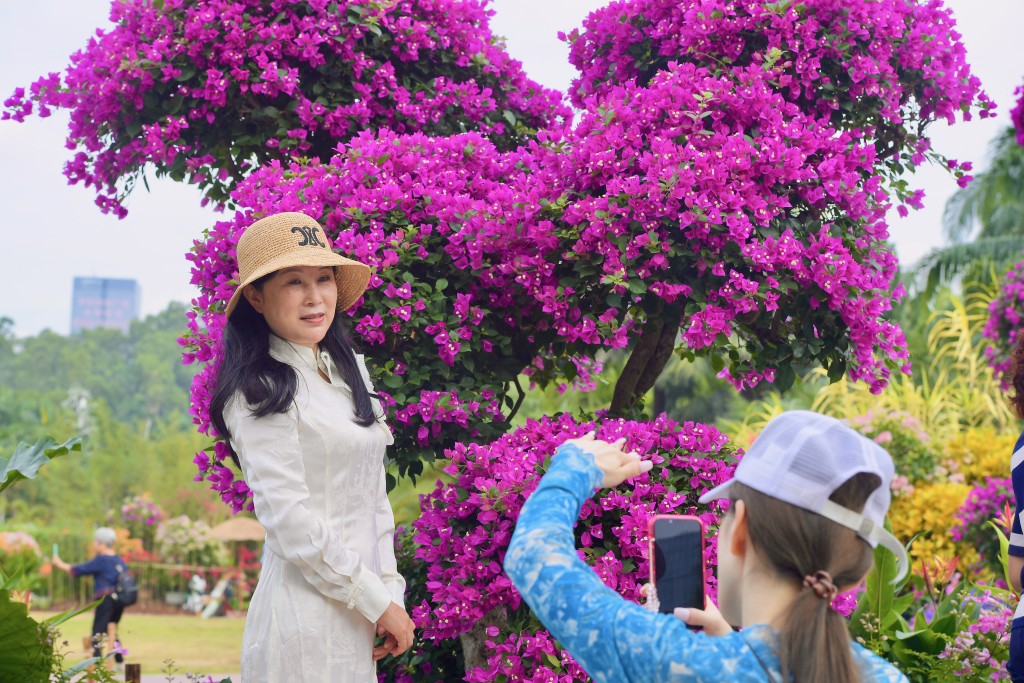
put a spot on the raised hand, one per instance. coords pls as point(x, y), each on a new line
point(616, 464)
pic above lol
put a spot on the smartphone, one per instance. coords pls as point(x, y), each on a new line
point(677, 561)
point(55, 553)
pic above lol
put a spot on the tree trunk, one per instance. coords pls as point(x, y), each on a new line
point(649, 357)
point(473, 640)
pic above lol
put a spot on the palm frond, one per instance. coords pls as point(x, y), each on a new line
point(944, 265)
point(992, 203)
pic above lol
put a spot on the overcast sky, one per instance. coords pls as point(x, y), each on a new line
point(54, 232)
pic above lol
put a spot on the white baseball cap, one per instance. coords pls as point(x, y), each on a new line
point(802, 457)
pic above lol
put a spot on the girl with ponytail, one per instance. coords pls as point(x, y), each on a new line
point(808, 504)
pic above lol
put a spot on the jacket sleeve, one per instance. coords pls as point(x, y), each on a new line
point(611, 638)
point(92, 567)
point(1017, 479)
point(271, 458)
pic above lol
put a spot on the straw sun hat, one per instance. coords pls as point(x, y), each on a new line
point(294, 239)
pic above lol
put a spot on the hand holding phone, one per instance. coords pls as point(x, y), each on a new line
point(677, 561)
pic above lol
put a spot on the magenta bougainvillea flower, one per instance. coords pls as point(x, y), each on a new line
point(1003, 328)
point(209, 90)
point(743, 198)
point(1017, 115)
point(1007, 310)
point(466, 524)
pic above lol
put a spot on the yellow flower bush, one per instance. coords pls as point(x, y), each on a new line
point(981, 452)
point(929, 511)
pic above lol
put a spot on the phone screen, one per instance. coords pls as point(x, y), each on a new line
point(678, 558)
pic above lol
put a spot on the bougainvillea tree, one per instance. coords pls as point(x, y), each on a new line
point(208, 91)
point(1007, 309)
point(727, 207)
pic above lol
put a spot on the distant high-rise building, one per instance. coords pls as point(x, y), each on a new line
point(104, 302)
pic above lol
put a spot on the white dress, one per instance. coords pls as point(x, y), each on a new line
point(329, 568)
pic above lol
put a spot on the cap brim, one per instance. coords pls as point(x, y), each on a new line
point(717, 493)
point(351, 276)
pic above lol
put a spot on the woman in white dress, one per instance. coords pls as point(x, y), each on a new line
point(296, 404)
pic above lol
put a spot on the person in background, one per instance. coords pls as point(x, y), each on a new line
point(295, 404)
point(809, 500)
point(104, 568)
point(1015, 665)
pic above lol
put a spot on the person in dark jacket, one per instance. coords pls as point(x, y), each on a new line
point(104, 568)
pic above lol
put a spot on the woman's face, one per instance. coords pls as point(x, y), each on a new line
point(298, 303)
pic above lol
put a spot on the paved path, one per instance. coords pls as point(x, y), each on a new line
point(181, 678)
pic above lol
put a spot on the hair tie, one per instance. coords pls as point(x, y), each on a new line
point(821, 583)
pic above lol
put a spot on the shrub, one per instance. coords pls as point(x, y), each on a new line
point(930, 512)
point(985, 503)
point(466, 525)
point(904, 437)
point(182, 540)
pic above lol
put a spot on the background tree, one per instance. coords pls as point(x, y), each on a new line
point(130, 393)
point(984, 221)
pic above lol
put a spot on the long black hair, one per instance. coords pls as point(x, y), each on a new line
point(247, 366)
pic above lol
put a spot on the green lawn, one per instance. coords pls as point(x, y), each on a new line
point(194, 644)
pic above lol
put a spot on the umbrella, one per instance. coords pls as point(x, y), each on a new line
point(239, 529)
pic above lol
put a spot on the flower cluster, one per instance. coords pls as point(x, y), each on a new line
point(17, 542)
point(896, 62)
point(1017, 115)
point(929, 515)
point(905, 439)
point(210, 90)
point(530, 656)
point(985, 503)
point(466, 525)
point(1006, 313)
point(141, 509)
point(183, 540)
point(980, 652)
point(142, 516)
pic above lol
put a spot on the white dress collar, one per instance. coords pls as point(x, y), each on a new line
point(299, 356)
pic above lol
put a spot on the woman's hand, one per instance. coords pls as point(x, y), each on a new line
point(398, 631)
point(616, 464)
point(709, 618)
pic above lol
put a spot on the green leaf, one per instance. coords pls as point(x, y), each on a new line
point(58, 619)
point(24, 655)
point(836, 370)
point(1004, 552)
point(186, 73)
point(879, 597)
point(27, 460)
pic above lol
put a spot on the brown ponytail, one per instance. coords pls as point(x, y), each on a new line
point(1016, 374)
point(814, 644)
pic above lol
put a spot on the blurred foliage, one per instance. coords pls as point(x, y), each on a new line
point(127, 394)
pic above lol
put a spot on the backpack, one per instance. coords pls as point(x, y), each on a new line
point(126, 591)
